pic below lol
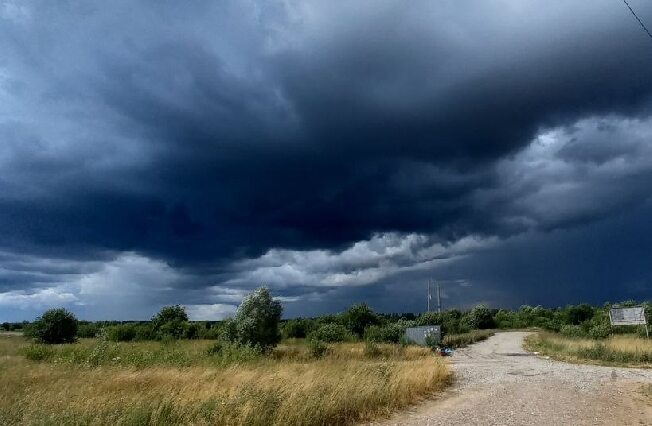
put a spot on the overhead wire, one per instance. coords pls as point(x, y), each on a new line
point(638, 19)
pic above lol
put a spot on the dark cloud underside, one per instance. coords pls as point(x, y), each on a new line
point(202, 136)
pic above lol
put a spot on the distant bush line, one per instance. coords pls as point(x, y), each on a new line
point(359, 322)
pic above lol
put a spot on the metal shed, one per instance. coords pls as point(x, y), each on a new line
point(418, 334)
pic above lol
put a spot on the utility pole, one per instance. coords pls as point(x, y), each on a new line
point(428, 294)
point(438, 299)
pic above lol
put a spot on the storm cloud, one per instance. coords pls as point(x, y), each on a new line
point(339, 152)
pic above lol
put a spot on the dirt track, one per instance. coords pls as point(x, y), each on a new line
point(498, 383)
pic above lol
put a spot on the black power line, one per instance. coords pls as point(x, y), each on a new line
point(638, 19)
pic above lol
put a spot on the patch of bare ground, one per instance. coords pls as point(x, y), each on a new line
point(499, 383)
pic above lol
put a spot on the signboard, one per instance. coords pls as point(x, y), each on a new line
point(418, 334)
point(627, 316)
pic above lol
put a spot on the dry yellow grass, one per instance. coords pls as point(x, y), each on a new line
point(286, 389)
point(629, 350)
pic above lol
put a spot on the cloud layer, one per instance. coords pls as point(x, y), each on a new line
point(160, 153)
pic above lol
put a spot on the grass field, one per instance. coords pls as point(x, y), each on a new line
point(621, 350)
point(96, 382)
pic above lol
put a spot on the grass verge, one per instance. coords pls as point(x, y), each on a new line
point(620, 350)
point(465, 339)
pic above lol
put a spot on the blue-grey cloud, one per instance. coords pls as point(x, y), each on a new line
point(210, 138)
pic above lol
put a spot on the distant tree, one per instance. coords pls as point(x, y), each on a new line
point(171, 321)
point(358, 317)
point(5, 326)
point(296, 328)
point(54, 326)
point(481, 317)
point(257, 320)
point(577, 314)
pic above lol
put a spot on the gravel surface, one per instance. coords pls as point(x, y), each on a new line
point(499, 383)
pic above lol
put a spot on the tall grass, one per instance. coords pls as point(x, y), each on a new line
point(627, 350)
point(288, 387)
point(465, 339)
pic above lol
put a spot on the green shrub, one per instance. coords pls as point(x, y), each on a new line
point(211, 332)
point(358, 317)
point(296, 328)
point(389, 333)
point(192, 331)
point(54, 326)
point(121, 333)
point(317, 348)
point(572, 331)
point(170, 323)
point(36, 352)
point(577, 314)
point(332, 333)
point(87, 330)
point(600, 331)
point(144, 332)
point(233, 352)
point(481, 318)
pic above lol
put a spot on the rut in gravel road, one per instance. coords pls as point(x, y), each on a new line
point(499, 383)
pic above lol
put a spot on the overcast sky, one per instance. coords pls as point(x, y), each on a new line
point(166, 152)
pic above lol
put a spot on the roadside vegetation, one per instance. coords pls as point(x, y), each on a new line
point(258, 369)
point(622, 350)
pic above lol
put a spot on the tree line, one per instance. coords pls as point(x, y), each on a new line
point(257, 323)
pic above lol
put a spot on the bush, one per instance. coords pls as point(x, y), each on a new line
point(390, 333)
point(54, 326)
point(171, 322)
point(431, 341)
point(577, 314)
point(38, 352)
point(296, 328)
point(359, 317)
point(87, 330)
point(332, 333)
point(257, 320)
point(144, 332)
point(572, 331)
point(480, 317)
point(233, 352)
point(210, 332)
point(192, 331)
point(317, 348)
point(600, 331)
point(121, 333)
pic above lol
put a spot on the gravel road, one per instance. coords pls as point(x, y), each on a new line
point(498, 383)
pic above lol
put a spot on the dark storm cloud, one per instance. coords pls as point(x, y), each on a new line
point(205, 136)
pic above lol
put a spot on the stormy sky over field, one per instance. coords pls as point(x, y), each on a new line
point(165, 152)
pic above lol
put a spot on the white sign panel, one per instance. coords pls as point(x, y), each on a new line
point(627, 316)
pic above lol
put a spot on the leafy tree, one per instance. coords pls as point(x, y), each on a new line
point(481, 317)
point(358, 317)
point(577, 314)
point(257, 320)
point(170, 322)
point(54, 326)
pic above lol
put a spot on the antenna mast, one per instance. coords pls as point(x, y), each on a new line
point(438, 299)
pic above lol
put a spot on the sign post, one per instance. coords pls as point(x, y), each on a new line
point(629, 316)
